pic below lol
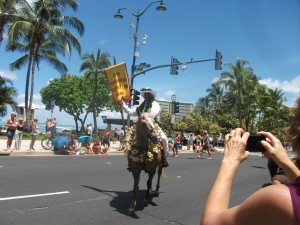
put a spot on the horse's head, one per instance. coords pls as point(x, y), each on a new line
point(146, 126)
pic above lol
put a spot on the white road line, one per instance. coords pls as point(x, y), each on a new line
point(33, 196)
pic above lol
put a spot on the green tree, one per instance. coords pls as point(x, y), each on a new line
point(7, 95)
point(94, 68)
point(40, 32)
point(9, 13)
point(234, 82)
point(72, 95)
point(165, 121)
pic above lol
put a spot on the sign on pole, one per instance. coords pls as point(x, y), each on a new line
point(173, 118)
point(119, 83)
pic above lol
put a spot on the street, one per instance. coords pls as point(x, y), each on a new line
point(67, 190)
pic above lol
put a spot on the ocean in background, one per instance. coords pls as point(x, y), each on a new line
point(59, 128)
point(42, 126)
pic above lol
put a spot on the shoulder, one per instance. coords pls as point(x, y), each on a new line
point(155, 102)
point(273, 202)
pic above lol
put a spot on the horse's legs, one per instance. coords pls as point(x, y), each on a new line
point(151, 174)
point(159, 172)
point(136, 176)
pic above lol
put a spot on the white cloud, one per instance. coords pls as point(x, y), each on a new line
point(103, 42)
point(8, 74)
point(35, 97)
point(292, 86)
point(215, 79)
point(170, 93)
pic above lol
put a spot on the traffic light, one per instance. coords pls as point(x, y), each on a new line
point(136, 97)
point(218, 62)
point(176, 107)
point(174, 66)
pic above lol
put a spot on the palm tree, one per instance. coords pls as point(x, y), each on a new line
point(8, 13)
point(234, 82)
point(40, 32)
point(94, 67)
point(7, 95)
point(216, 94)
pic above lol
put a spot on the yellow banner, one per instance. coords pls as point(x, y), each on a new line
point(118, 81)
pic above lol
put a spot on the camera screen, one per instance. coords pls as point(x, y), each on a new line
point(253, 143)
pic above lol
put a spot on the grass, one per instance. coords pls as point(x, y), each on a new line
point(26, 136)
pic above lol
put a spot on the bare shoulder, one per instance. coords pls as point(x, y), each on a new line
point(270, 205)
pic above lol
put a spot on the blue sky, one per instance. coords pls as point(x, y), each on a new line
point(265, 33)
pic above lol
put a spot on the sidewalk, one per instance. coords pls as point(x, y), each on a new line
point(39, 151)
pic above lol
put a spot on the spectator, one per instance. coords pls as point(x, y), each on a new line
point(89, 130)
point(190, 141)
point(72, 146)
point(197, 144)
point(106, 138)
point(121, 138)
point(205, 146)
point(50, 129)
point(275, 204)
point(34, 129)
point(170, 146)
point(115, 136)
point(86, 145)
point(11, 125)
point(97, 147)
point(104, 149)
point(19, 133)
point(176, 145)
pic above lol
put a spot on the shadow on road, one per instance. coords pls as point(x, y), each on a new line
point(121, 200)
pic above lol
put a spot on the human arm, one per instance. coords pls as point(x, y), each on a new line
point(131, 112)
point(155, 109)
point(271, 205)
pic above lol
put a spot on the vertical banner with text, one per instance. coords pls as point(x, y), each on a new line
point(118, 81)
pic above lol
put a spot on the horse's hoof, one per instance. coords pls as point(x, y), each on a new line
point(131, 211)
point(156, 194)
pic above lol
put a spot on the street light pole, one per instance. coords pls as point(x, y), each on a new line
point(137, 15)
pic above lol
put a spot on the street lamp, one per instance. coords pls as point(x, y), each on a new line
point(137, 15)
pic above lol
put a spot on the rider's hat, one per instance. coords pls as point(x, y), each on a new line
point(147, 90)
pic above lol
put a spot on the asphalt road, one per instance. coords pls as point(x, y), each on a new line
point(97, 190)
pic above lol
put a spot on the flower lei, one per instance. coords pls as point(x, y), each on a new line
point(129, 148)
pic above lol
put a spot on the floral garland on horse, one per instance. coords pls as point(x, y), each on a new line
point(129, 146)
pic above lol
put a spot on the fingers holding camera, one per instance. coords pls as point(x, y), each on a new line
point(235, 145)
point(274, 148)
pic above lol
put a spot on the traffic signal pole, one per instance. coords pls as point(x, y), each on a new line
point(168, 65)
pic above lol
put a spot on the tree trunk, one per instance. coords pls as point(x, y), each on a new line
point(28, 121)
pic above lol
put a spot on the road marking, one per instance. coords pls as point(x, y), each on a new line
point(33, 196)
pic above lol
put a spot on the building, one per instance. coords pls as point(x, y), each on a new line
point(184, 108)
point(20, 110)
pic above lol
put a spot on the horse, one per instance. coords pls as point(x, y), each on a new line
point(145, 154)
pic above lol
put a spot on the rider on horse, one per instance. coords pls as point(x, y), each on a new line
point(152, 106)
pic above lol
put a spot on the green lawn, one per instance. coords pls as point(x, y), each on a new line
point(26, 136)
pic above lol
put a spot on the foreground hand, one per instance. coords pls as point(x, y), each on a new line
point(235, 144)
point(274, 148)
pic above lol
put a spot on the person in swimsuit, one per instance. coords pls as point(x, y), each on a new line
point(11, 125)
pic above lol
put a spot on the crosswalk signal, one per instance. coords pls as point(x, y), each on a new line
point(136, 97)
point(176, 107)
point(218, 60)
point(174, 66)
